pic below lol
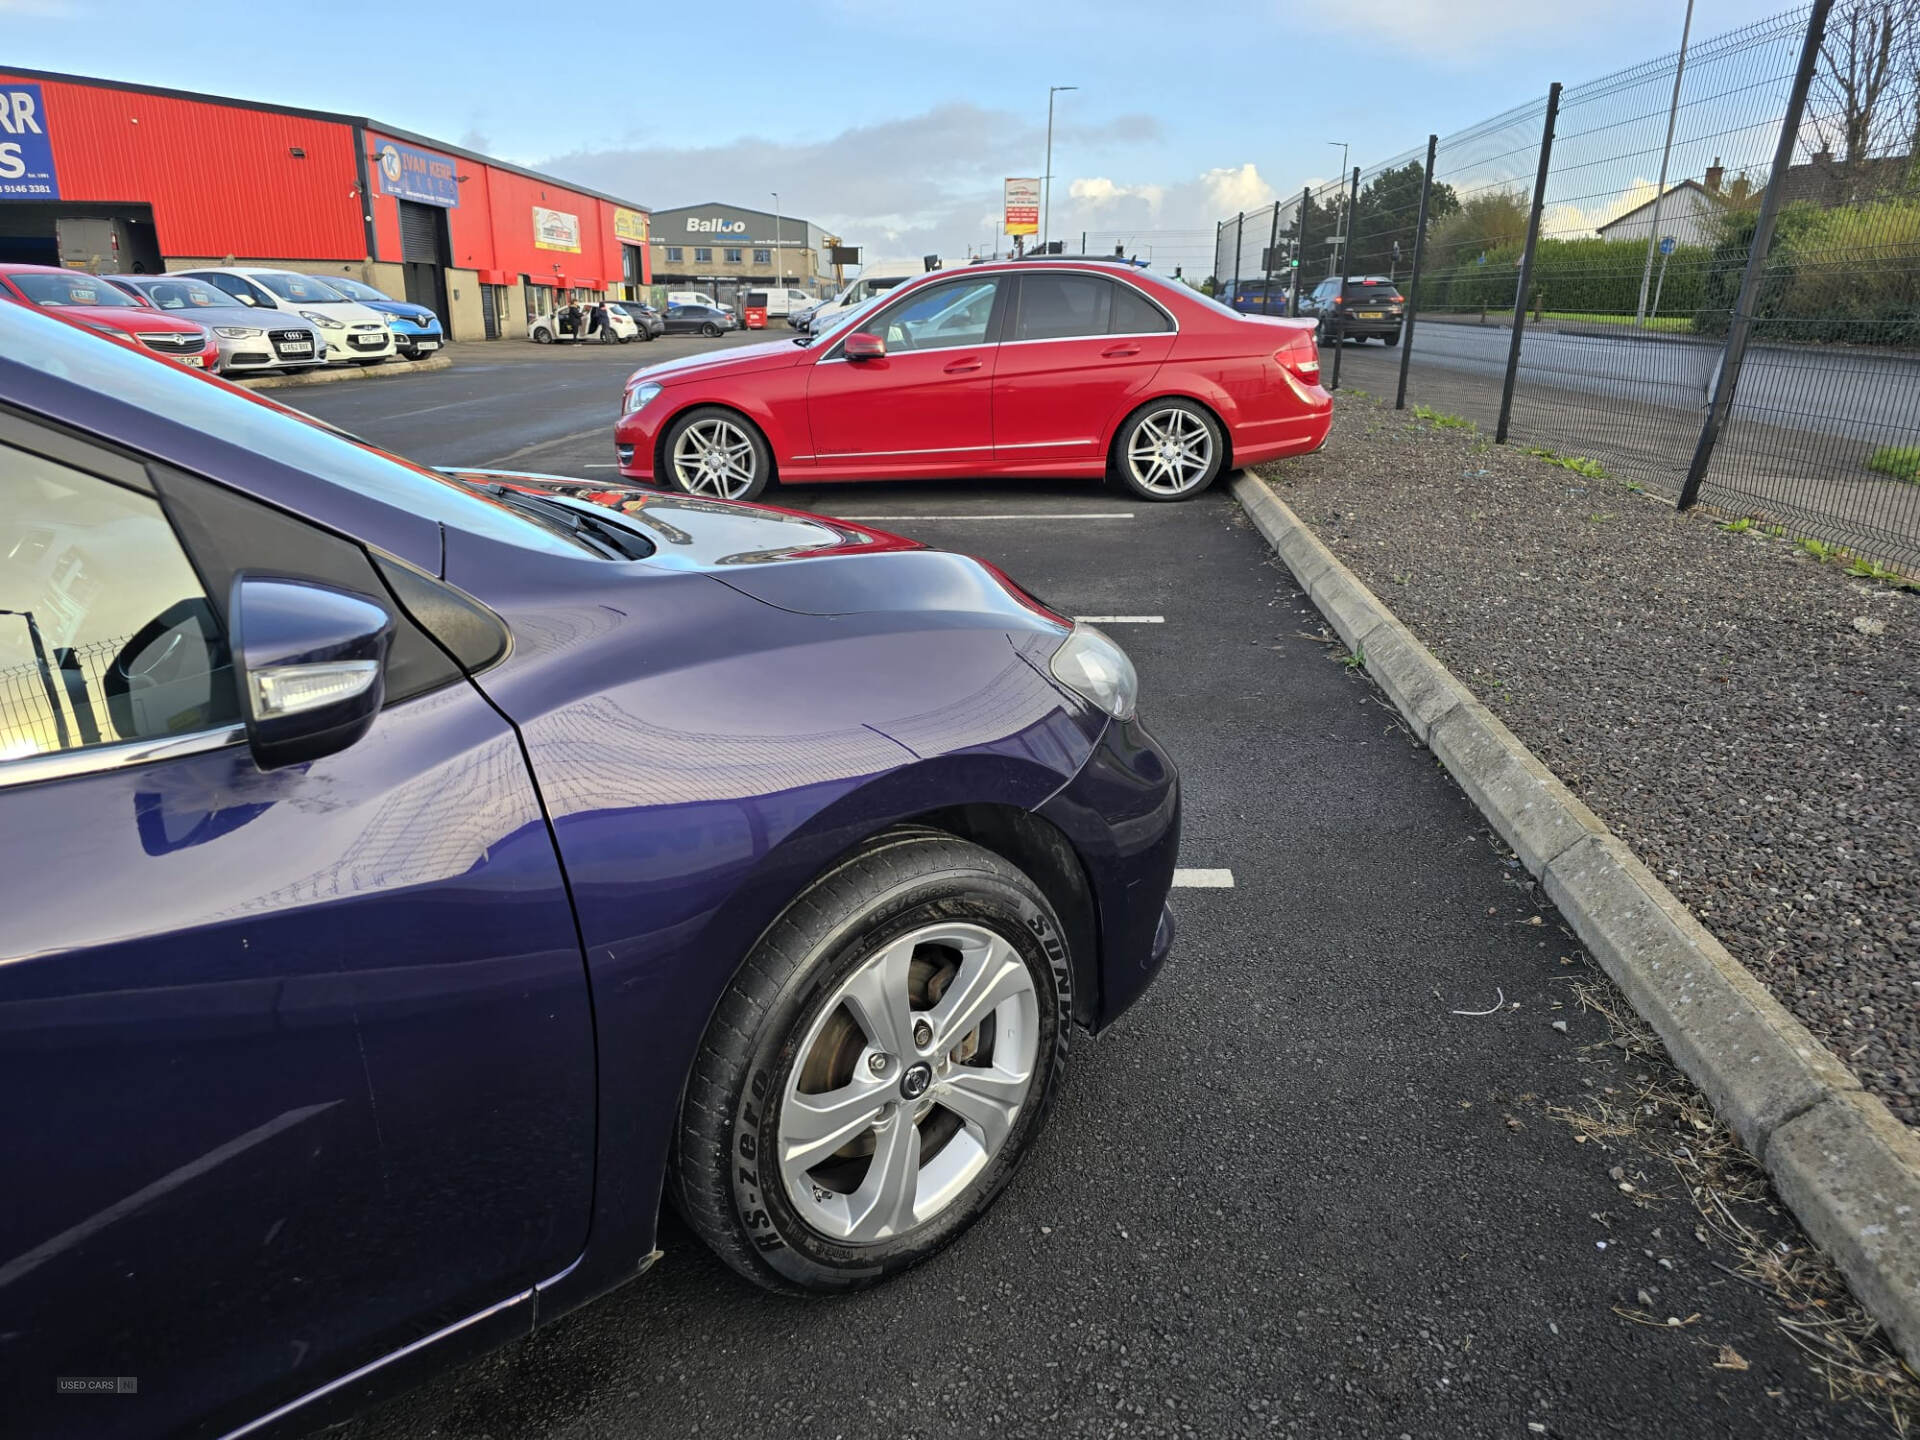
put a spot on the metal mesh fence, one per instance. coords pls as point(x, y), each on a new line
point(60, 704)
point(1655, 182)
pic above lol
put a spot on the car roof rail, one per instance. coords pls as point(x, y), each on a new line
point(1132, 260)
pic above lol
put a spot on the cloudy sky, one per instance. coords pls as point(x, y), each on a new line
point(892, 125)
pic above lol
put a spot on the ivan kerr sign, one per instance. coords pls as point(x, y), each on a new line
point(26, 154)
point(418, 175)
point(1023, 207)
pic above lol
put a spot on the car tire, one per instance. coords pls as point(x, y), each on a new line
point(1390, 340)
point(704, 429)
point(912, 915)
point(710, 330)
point(542, 336)
point(1168, 449)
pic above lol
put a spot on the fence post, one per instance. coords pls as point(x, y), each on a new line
point(1299, 248)
point(1233, 291)
point(1266, 267)
point(1346, 271)
point(1740, 324)
point(1526, 266)
point(1413, 280)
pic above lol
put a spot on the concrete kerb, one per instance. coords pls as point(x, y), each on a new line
point(1848, 1169)
point(330, 375)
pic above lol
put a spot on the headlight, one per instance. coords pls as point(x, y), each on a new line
point(325, 322)
point(638, 395)
point(1098, 671)
point(237, 332)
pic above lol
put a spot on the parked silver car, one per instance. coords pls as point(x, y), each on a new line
point(248, 339)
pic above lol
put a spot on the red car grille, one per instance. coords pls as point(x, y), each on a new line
point(169, 342)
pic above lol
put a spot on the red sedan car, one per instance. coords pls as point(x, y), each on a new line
point(1056, 367)
point(88, 300)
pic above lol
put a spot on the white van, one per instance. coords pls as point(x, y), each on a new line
point(696, 297)
point(777, 301)
point(880, 275)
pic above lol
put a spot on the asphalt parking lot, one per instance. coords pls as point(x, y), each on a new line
point(1297, 1190)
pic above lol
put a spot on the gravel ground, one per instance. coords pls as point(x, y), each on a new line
point(1739, 713)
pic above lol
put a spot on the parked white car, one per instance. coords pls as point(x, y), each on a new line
point(355, 335)
point(546, 329)
point(247, 339)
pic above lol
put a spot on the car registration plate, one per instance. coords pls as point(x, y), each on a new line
point(426, 344)
point(196, 361)
point(293, 347)
point(1373, 315)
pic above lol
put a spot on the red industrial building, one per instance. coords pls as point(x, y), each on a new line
point(106, 176)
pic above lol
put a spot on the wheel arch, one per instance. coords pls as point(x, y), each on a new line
point(1206, 403)
point(762, 422)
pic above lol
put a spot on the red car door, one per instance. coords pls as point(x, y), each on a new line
point(1081, 350)
point(923, 408)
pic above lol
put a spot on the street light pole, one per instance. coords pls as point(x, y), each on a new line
point(1660, 190)
point(779, 256)
point(1346, 221)
point(1046, 204)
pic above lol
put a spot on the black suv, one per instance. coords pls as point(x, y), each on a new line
point(1368, 305)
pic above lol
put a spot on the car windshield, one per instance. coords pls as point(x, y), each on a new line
point(258, 425)
point(67, 288)
point(302, 289)
point(354, 289)
point(185, 295)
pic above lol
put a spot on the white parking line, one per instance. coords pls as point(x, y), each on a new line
point(1022, 515)
point(1121, 619)
point(1203, 879)
point(600, 465)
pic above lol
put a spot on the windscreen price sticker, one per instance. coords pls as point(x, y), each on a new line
point(26, 151)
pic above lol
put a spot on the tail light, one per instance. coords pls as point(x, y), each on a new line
point(1301, 358)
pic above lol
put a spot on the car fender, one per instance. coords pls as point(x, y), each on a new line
point(701, 755)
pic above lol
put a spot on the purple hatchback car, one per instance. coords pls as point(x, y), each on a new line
point(408, 881)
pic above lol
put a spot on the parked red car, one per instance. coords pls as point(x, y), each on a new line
point(1056, 367)
point(88, 300)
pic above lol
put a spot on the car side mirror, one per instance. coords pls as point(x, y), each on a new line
point(310, 662)
point(862, 346)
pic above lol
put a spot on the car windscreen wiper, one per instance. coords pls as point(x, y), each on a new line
point(588, 524)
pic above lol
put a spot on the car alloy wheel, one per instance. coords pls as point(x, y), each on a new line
point(710, 330)
point(908, 1083)
point(543, 336)
point(714, 452)
point(1169, 451)
point(876, 1069)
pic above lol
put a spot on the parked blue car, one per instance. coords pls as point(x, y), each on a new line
point(409, 880)
point(416, 329)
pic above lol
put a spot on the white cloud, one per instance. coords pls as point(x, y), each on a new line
point(905, 187)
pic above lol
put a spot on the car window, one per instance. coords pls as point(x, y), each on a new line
point(1060, 307)
point(238, 288)
point(1134, 314)
point(185, 295)
point(105, 634)
point(354, 290)
point(70, 288)
point(301, 289)
point(938, 317)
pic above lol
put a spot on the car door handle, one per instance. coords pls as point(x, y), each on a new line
point(961, 367)
point(1120, 352)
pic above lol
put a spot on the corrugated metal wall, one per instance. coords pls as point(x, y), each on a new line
point(221, 180)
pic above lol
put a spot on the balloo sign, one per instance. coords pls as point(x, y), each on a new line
point(26, 154)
